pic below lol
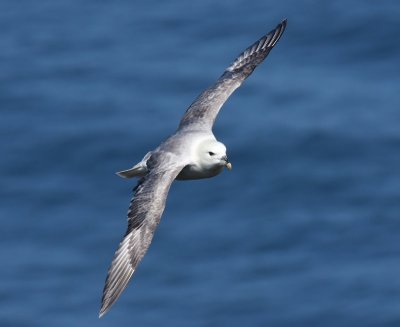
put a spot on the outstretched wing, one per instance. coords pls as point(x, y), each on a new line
point(202, 112)
point(144, 214)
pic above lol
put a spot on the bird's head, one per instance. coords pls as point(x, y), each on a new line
point(213, 154)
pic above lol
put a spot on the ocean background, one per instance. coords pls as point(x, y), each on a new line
point(304, 231)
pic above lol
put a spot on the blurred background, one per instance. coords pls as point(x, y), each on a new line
point(303, 232)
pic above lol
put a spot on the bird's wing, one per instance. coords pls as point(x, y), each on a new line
point(202, 112)
point(144, 215)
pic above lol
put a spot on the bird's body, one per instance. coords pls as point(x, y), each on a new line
point(184, 145)
point(192, 152)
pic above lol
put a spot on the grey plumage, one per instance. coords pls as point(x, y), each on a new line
point(192, 152)
point(144, 215)
point(203, 111)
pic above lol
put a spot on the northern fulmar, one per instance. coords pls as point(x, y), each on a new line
point(192, 152)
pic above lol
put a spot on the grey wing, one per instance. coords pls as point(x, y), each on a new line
point(202, 112)
point(144, 215)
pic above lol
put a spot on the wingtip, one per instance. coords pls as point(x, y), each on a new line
point(103, 310)
point(262, 47)
point(282, 25)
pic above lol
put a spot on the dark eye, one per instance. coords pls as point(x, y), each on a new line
point(211, 153)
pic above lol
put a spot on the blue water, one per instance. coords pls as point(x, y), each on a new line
point(303, 232)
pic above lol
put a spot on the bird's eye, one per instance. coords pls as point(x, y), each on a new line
point(211, 153)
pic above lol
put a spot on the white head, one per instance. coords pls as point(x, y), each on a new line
point(212, 154)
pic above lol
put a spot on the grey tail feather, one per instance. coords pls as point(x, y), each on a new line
point(136, 171)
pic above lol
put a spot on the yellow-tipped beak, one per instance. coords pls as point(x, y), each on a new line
point(229, 166)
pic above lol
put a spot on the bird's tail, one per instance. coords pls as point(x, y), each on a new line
point(136, 171)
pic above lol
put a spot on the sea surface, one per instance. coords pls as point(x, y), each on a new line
point(304, 231)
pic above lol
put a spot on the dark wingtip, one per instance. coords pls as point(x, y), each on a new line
point(280, 28)
point(259, 50)
point(283, 23)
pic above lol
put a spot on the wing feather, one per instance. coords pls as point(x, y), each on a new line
point(203, 111)
point(144, 215)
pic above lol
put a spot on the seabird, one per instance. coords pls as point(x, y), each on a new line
point(192, 152)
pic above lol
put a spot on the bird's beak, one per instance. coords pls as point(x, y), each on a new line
point(227, 163)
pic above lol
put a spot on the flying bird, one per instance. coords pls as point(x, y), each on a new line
point(192, 152)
